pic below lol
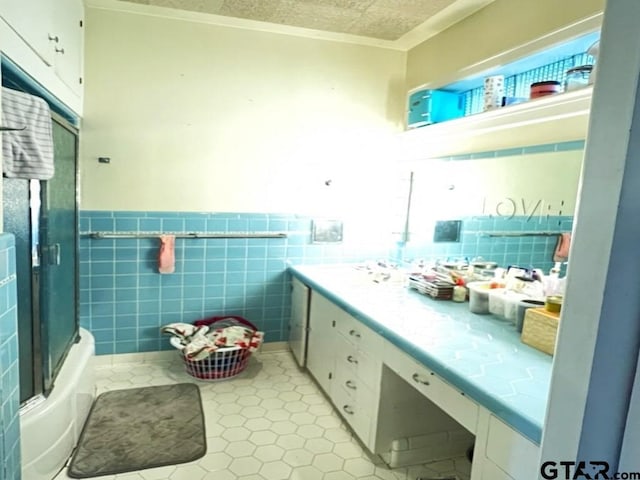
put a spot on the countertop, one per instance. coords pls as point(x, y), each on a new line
point(481, 355)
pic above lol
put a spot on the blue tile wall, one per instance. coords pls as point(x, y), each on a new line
point(526, 150)
point(9, 386)
point(525, 251)
point(124, 300)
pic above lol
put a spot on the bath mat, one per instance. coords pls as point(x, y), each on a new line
point(140, 428)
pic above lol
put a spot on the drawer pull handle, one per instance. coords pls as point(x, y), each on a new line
point(352, 359)
point(416, 378)
point(348, 409)
point(53, 38)
point(350, 384)
point(353, 333)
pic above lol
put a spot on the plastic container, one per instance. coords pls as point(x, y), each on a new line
point(459, 293)
point(511, 302)
point(479, 297)
point(497, 301)
point(432, 106)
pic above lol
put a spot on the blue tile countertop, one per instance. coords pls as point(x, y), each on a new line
point(480, 355)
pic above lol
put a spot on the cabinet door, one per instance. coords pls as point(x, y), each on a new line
point(321, 340)
point(510, 451)
point(68, 21)
point(490, 471)
point(298, 322)
point(31, 20)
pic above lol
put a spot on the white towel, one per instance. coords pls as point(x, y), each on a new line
point(26, 153)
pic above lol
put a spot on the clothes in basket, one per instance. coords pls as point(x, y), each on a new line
point(200, 340)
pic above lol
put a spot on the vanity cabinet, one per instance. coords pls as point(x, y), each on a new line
point(298, 322)
point(342, 358)
point(321, 342)
point(501, 453)
point(379, 389)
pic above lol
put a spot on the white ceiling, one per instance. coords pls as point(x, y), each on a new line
point(401, 23)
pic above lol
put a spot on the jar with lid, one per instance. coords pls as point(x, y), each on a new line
point(459, 293)
point(541, 89)
point(577, 77)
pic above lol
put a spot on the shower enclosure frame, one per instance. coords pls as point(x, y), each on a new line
point(39, 370)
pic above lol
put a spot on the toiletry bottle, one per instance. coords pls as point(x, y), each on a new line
point(459, 291)
point(553, 280)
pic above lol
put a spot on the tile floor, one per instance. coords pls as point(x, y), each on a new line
point(271, 422)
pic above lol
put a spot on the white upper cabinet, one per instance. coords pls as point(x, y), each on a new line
point(31, 20)
point(45, 39)
point(68, 21)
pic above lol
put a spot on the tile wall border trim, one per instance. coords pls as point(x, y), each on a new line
point(519, 151)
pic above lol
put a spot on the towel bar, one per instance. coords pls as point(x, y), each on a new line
point(519, 234)
point(225, 235)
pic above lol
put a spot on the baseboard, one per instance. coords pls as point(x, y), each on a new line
point(166, 355)
point(274, 347)
point(141, 357)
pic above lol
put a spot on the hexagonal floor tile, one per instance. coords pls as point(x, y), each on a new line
point(273, 424)
point(242, 448)
point(298, 457)
point(358, 467)
point(268, 453)
point(263, 438)
point(328, 462)
point(277, 470)
point(245, 466)
point(212, 462)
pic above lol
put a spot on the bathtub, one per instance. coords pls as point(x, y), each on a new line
point(50, 427)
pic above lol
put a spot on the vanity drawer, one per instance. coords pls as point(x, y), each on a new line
point(355, 387)
point(357, 333)
point(450, 400)
point(363, 365)
point(357, 408)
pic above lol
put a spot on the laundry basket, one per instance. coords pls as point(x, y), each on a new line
point(224, 363)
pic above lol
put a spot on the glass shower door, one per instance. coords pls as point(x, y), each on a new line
point(18, 220)
point(59, 251)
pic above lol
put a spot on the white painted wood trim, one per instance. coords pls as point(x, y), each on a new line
point(596, 225)
point(515, 125)
point(232, 22)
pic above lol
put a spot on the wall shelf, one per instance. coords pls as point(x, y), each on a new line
point(552, 119)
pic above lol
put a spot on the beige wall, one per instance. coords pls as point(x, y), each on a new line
point(502, 25)
point(198, 117)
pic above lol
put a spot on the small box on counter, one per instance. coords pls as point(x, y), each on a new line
point(493, 92)
point(540, 329)
point(428, 106)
